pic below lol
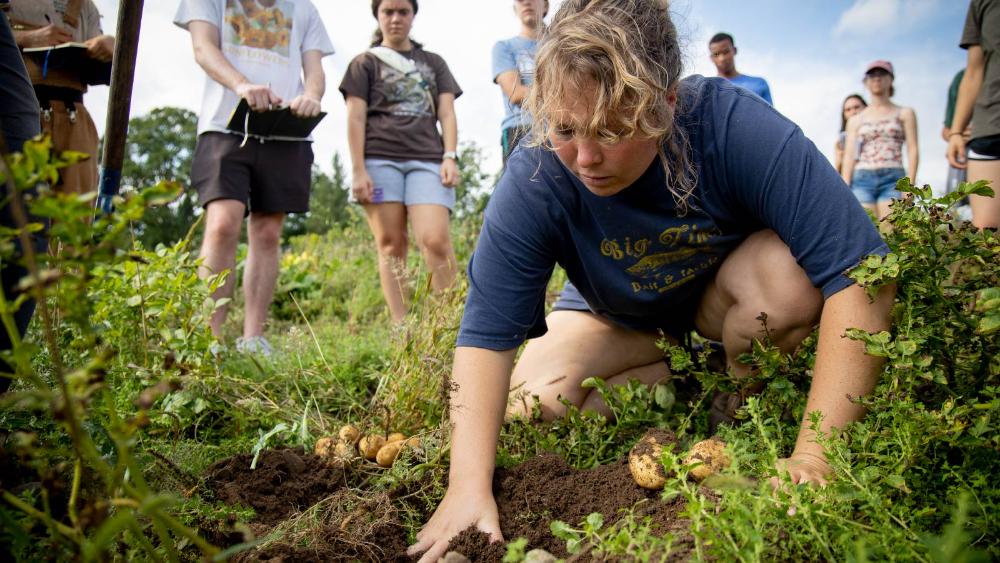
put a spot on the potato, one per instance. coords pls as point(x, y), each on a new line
point(387, 453)
point(345, 450)
point(324, 447)
point(349, 433)
point(370, 445)
point(413, 442)
point(644, 459)
point(711, 454)
point(395, 437)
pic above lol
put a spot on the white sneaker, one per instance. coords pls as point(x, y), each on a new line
point(255, 345)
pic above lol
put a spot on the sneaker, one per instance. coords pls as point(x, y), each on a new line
point(254, 345)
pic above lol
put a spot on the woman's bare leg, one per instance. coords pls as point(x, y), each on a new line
point(985, 210)
point(577, 346)
point(388, 224)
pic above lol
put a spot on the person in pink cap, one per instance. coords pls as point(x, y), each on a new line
point(882, 129)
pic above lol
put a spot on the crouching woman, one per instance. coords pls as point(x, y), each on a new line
point(673, 205)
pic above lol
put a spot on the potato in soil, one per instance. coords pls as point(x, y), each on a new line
point(324, 447)
point(644, 458)
point(711, 454)
point(349, 433)
point(395, 437)
point(370, 445)
point(387, 454)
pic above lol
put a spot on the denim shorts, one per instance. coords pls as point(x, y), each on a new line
point(873, 185)
point(410, 182)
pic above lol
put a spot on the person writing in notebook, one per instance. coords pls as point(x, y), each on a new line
point(46, 23)
point(268, 53)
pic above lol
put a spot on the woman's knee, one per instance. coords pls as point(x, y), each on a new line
point(435, 244)
point(391, 244)
point(765, 278)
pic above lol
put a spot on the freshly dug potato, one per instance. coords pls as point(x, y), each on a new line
point(370, 445)
point(324, 447)
point(349, 433)
point(712, 455)
point(345, 450)
point(412, 442)
point(644, 458)
point(395, 437)
point(387, 454)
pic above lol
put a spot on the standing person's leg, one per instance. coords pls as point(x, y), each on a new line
point(220, 171)
point(223, 225)
point(261, 275)
point(985, 210)
point(887, 191)
point(430, 232)
point(429, 204)
point(387, 222)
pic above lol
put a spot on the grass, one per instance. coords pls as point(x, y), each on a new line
point(915, 481)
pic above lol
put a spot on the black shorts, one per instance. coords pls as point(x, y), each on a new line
point(268, 177)
point(985, 148)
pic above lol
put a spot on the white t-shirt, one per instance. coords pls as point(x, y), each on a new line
point(265, 43)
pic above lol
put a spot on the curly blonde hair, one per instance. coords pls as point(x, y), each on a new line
point(627, 53)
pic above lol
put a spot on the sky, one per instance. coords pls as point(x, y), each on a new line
point(812, 52)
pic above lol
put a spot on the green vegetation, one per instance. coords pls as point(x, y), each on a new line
point(119, 406)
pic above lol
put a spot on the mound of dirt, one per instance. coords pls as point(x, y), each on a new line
point(285, 481)
point(532, 494)
point(355, 525)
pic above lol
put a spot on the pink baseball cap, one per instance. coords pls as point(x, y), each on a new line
point(884, 65)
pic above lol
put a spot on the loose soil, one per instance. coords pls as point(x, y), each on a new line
point(355, 525)
point(545, 488)
point(285, 481)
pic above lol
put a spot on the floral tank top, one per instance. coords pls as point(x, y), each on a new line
point(881, 142)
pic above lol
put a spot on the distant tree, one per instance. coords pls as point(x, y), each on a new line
point(160, 147)
point(474, 185)
point(328, 205)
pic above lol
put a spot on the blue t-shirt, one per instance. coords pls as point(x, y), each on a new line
point(631, 256)
point(516, 53)
point(755, 84)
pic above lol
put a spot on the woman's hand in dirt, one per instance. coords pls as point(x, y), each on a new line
point(457, 511)
point(449, 172)
point(803, 468)
point(956, 151)
point(361, 186)
point(305, 106)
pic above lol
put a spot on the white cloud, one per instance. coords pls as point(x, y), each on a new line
point(882, 17)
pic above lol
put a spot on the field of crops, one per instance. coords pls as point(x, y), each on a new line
point(126, 438)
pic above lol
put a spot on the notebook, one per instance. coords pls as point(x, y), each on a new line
point(279, 123)
point(73, 57)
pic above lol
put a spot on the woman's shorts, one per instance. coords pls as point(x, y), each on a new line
point(873, 185)
point(985, 148)
point(410, 182)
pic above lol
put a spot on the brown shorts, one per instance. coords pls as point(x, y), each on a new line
point(72, 129)
point(269, 177)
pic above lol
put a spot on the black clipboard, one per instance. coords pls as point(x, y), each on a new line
point(71, 57)
point(275, 123)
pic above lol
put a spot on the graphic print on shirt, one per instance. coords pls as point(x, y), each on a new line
point(251, 24)
point(408, 94)
point(526, 66)
point(679, 255)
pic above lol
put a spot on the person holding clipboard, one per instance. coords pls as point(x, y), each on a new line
point(263, 54)
point(39, 25)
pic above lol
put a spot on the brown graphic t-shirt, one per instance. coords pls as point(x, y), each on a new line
point(402, 109)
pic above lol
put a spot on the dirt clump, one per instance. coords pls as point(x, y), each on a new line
point(545, 488)
point(285, 481)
